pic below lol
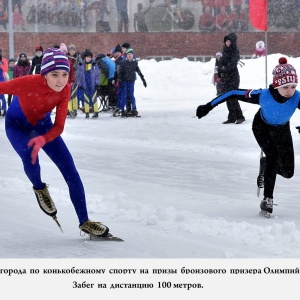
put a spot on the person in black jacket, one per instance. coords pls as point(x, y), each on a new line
point(117, 55)
point(127, 77)
point(230, 78)
point(37, 61)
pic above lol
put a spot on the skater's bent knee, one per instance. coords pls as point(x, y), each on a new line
point(287, 174)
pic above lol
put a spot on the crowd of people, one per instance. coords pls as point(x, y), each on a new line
point(108, 77)
point(224, 18)
point(216, 15)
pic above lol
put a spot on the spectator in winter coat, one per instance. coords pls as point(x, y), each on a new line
point(88, 80)
point(207, 22)
point(63, 48)
point(271, 125)
point(125, 46)
point(29, 129)
point(260, 50)
point(36, 61)
point(75, 93)
point(23, 66)
point(103, 87)
point(216, 78)
point(223, 20)
point(230, 78)
point(117, 55)
point(107, 68)
point(127, 76)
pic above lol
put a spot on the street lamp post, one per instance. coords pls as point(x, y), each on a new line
point(10, 31)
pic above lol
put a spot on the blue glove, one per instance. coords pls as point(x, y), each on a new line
point(203, 110)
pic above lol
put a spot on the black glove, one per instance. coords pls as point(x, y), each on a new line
point(97, 87)
point(144, 82)
point(203, 110)
point(298, 128)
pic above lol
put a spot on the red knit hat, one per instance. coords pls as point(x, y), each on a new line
point(284, 74)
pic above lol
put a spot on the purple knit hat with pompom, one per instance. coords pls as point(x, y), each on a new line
point(54, 59)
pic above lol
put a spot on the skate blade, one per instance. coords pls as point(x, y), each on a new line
point(258, 191)
point(265, 214)
point(57, 223)
point(108, 237)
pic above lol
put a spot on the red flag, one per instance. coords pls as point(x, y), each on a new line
point(258, 14)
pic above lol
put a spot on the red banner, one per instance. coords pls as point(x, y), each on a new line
point(258, 10)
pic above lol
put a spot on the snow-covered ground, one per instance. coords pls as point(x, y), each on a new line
point(170, 185)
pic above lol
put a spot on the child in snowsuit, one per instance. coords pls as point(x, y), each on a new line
point(271, 126)
point(29, 128)
point(216, 78)
point(260, 49)
point(88, 80)
point(73, 106)
point(107, 69)
point(127, 77)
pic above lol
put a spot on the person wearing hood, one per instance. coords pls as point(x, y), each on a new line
point(216, 78)
point(23, 66)
point(260, 49)
point(229, 77)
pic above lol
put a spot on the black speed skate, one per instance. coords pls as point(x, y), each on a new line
point(266, 206)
